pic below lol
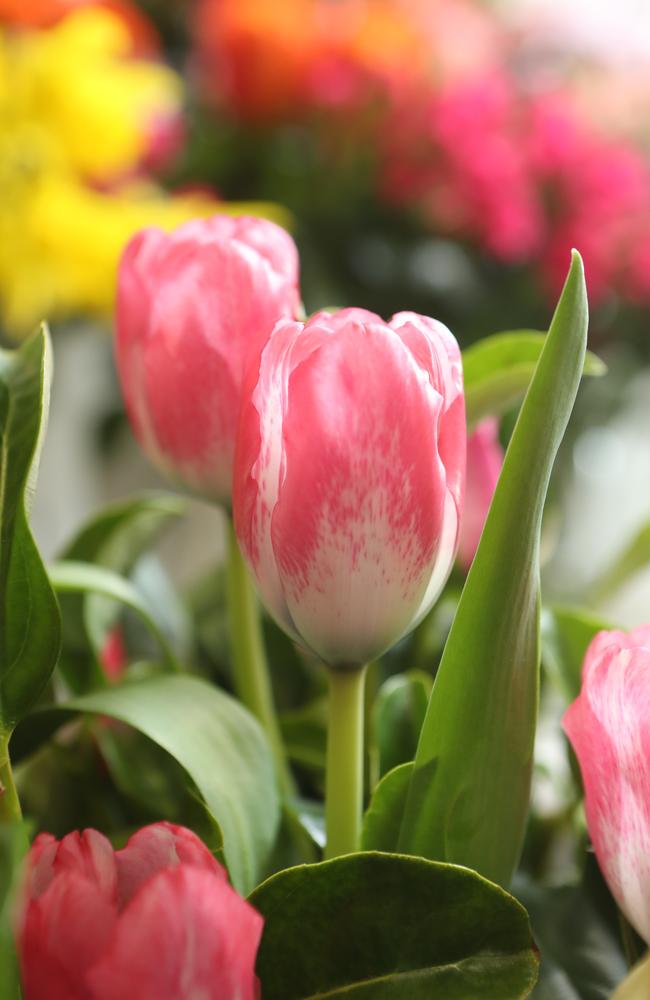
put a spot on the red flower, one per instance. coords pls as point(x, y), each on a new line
point(156, 920)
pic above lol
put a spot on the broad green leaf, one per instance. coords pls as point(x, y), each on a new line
point(115, 539)
point(84, 578)
point(497, 371)
point(13, 845)
point(636, 986)
point(634, 557)
point(383, 817)
point(118, 534)
point(220, 745)
point(397, 717)
point(469, 791)
point(388, 927)
point(566, 633)
point(29, 616)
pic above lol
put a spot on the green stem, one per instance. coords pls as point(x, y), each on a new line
point(9, 803)
point(250, 670)
point(344, 776)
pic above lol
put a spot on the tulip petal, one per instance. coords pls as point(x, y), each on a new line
point(185, 934)
point(61, 934)
point(360, 505)
point(156, 848)
point(194, 307)
point(608, 728)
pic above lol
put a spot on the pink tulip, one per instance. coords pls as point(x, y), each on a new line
point(193, 306)
point(156, 920)
point(609, 728)
point(484, 461)
point(349, 474)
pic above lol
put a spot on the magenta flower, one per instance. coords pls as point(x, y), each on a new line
point(349, 477)
point(609, 728)
point(155, 920)
point(193, 307)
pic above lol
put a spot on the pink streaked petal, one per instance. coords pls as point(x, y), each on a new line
point(260, 458)
point(194, 308)
point(185, 935)
point(89, 854)
point(156, 848)
point(609, 731)
point(360, 504)
point(62, 933)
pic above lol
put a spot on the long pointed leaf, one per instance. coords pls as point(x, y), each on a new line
point(29, 616)
point(468, 796)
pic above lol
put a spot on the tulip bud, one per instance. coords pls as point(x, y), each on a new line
point(349, 473)
point(156, 919)
point(484, 461)
point(193, 306)
point(609, 728)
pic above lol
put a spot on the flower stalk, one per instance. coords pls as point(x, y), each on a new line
point(344, 776)
point(250, 668)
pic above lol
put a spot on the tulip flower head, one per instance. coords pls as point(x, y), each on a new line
point(609, 728)
point(349, 474)
point(155, 920)
point(193, 307)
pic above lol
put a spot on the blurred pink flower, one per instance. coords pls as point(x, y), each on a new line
point(609, 728)
point(484, 461)
point(154, 920)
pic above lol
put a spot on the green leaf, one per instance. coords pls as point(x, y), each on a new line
point(382, 820)
point(220, 745)
point(115, 539)
point(382, 926)
point(84, 578)
point(634, 557)
point(469, 791)
point(13, 846)
point(29, 615)
point(497, 371)
point(566, 633)
point(397, 717)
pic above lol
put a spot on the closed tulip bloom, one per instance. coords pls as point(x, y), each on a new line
point(156, 920)
point(193, 306)
point(484, 461)
point(609, 728)
point(349, 474)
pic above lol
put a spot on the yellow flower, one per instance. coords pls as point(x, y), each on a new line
point(76, 118)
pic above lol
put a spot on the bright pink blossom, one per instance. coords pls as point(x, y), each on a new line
point(484, 461)
point(193, 306)
point(609, 729)
point(349, 476)
point(156, 920)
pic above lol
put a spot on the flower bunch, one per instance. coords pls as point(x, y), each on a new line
point(514, 171)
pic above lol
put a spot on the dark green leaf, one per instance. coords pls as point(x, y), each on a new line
point(383, 818)
point(397, 717)
point(220, 745)
point(469, 791)
point(29, 615)
point(382, 926)
point(498, 369)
